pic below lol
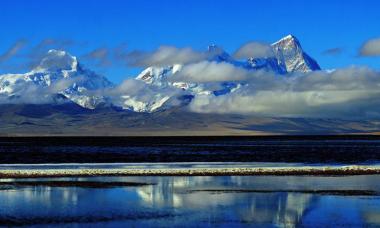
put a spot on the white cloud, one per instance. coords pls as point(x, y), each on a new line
point(371, 48)
point(165, 56)
point(13, 50)
point(254, 50)
point(28, 92)
point(210, 72)
point(333, 51)
point(100, 56)
point(348, 93)
point(38, 51)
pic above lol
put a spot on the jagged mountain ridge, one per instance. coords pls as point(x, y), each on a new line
point(289, 57)
point(60, 78)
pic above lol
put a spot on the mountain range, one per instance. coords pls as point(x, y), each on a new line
point(60, 96)
point(59, 74)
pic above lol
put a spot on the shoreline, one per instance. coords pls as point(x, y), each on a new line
point(276, 171)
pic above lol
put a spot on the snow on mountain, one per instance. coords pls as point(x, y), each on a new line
point(290, 56)
point(136, 105)
point(57, 73)
point(158, 75)
point(56, 60)
point(217, 54)
point(267, 64)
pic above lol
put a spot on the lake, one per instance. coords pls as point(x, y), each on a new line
point(224, 201)
point(188, 201)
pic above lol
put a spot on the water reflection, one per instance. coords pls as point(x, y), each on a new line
point(281, 209)
point(189, 201)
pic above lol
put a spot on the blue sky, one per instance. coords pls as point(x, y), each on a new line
point(145, 25)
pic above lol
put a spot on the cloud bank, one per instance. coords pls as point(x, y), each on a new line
point(206, 71)
point(255, 50)
point(13, 50)
point(164, 56)
point(371, 48)
point(27, 92)
point(101, 57)
point(345, 93)
point(352, 92)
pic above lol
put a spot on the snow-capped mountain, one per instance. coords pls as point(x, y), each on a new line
point(58, 73)
point(291, 57)
point(60, 76)
point(217, 54)
point(160, 76)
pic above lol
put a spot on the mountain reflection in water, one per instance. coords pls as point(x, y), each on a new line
point(194, 201)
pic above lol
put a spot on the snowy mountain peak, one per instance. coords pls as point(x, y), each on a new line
point(291, 56)
point(157, 75)
point(56, 60)
point(58, 73)
point(218, 54)
point(287, 39)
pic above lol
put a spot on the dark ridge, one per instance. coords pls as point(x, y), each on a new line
point(304, 149)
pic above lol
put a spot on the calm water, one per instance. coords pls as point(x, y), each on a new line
point(263, 201)
point(259, 201)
